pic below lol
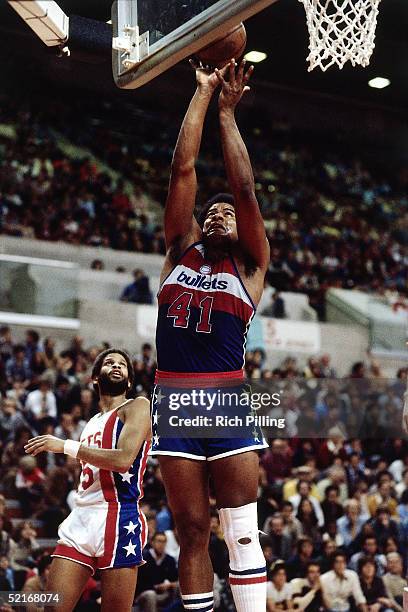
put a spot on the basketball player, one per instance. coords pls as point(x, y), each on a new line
point(201, 335)
point(106, 530)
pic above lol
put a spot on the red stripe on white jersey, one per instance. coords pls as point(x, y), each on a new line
point(109, 492)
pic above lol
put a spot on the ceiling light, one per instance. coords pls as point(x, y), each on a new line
point(379, 83)
point(255, 56)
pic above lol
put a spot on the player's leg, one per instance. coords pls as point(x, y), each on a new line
point(236, 484)
point(68, 579)
point(118, 588)
point(186, 483)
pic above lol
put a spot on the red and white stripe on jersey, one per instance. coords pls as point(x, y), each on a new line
point(110, 495)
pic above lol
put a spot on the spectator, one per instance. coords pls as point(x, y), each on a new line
point(331, 508)
point(78, 423)
point(138, 292)
point(393, 578)
point(306, 515)
point(384, 526)
point(304, 491)
point(339, 584)
point(276, 309)
point(22, 555)
point(158, 579)
point(12, 454)
point(6, 343)
point(281, 543)
point(354, 471)
point(38, 583)
point(307, 592)
point(383, 497)
point(6, 575)
point(10, 418)
point(277, 461)
point(66, 428)
point(278, 590)
point(292, 526)
point(372, 586)
point(297, 565)
point(97, 264)
point(32, 346)
point(349, 525)
point(18, 366)
point(369, 549)
point(325, 559)
point(42, 403)
point(29, 487)
point(325, 368)
point(7, 544)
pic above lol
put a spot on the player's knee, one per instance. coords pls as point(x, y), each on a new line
point(240, 528)
point(193, 530)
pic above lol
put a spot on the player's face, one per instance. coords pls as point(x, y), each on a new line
point(115, 366)
point(113, 378)
point(220, 225)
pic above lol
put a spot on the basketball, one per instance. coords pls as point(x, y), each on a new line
point(232, 45)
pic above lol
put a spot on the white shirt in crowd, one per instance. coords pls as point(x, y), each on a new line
point(285, 594)
point(40, 403)
point(337, 590)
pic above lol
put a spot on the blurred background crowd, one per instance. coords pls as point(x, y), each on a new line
point(333, 219)
point(319, 498)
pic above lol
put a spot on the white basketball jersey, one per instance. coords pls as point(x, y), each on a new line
point(99, 486)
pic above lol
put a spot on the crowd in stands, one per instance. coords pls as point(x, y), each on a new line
point(332, 220)
point(333, 510)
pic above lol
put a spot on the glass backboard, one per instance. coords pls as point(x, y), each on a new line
point(151, 36)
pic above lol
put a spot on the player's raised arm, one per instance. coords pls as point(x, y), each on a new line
point(135, 431)
point(250, 225)
point(179, 221)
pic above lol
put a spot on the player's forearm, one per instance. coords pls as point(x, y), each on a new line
point(114, 460)
point(237, 163)
point(189, 140)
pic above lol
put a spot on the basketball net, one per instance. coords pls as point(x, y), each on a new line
point(340, 31)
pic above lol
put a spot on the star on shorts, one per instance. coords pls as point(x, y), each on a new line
point(158, 396)
point(156, 439)
point(127, 476)
point(130, 548)
point(130, 528)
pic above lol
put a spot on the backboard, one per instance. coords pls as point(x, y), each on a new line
point(151, 36)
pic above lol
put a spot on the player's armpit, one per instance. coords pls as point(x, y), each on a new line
point(136, 430)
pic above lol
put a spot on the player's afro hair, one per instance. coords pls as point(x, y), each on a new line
point(226, 198)
point(96, 368)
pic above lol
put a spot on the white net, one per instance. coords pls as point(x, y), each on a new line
point(340, 31)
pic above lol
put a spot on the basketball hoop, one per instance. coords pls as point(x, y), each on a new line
point(340, 31)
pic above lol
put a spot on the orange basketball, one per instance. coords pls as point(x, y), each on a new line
point(232, 45)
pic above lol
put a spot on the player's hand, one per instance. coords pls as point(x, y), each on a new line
point(207, 80)
point(41, 444)
point(236, 86)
